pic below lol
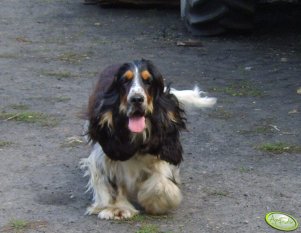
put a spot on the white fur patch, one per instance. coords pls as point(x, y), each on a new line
point(136, 87)
point(151, 182)
point(193, 98)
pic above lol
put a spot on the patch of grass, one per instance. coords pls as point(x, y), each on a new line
point(264, 129)
point(149, 228)
point(146, 218)
point(145, 222)
point(90, 74)
point(245, 170)
point(138, 218)
point(220, 114)
point(19, 225)
point(279, 148)
point(242, 88)
point(5, 144)
point(8, 56)
point(51, 99)
point(29, 117)
point(220, 193)
point(263, 126)
point(73, 58)
point(58, 74)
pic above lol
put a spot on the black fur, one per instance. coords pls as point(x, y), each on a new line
point(116, 141)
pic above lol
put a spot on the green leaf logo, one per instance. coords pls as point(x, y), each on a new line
point(281, 221)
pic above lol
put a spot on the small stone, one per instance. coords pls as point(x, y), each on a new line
point(283, 59)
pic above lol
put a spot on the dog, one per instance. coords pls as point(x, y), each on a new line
point(134, 124)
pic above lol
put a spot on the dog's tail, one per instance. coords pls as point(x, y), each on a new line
point(193, 98)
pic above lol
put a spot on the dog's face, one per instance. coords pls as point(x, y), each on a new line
point(139, 85)
point(131, 97)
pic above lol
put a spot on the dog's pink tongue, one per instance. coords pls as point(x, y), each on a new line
point(137, 124)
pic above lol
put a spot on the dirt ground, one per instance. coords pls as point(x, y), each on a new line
point(242, 158)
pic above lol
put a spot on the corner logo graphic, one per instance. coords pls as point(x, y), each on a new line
point(281, 221)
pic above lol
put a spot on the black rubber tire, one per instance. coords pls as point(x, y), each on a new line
point(214, 17)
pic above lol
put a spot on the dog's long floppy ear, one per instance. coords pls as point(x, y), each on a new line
point(168, 118)
point(102, 104)
point(104, 86)
point(172, 120)
point(171, 148)
point(102, 99)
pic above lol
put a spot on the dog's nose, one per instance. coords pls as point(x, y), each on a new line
point(137, 99)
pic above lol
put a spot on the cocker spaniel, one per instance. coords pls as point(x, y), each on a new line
point(134, 125)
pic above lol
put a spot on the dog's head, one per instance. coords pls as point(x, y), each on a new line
point(138, 84)
point(129, 101)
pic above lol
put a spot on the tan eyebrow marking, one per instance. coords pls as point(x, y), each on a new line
point(128, 75)
point(145, 75)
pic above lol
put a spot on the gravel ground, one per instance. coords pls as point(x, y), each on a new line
point(242, 158)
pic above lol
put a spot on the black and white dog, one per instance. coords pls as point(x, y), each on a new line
point(134, 124)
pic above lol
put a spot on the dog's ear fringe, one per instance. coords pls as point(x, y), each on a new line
point(172, 150)
point(103, 98)
point(172, 120)
point(85, 133)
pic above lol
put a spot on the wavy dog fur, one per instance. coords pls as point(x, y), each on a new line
point(127, 167)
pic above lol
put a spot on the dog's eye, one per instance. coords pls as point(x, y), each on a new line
point(146, 77)
point(148, 81)
point(127, 76)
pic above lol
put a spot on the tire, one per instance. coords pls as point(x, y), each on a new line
point(214, 17)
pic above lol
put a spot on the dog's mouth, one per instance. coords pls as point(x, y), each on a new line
point(136, 122)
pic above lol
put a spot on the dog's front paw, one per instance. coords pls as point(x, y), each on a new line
point(116, 213)
point(93, 209)
point(158, 195)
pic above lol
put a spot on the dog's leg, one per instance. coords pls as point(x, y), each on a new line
point(160, 192)
point(93, 166)
point(110, 201)
point(121, 208)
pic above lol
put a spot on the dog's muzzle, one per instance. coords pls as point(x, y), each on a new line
point(136, 105)
point(137, 99)
point(136, 113)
